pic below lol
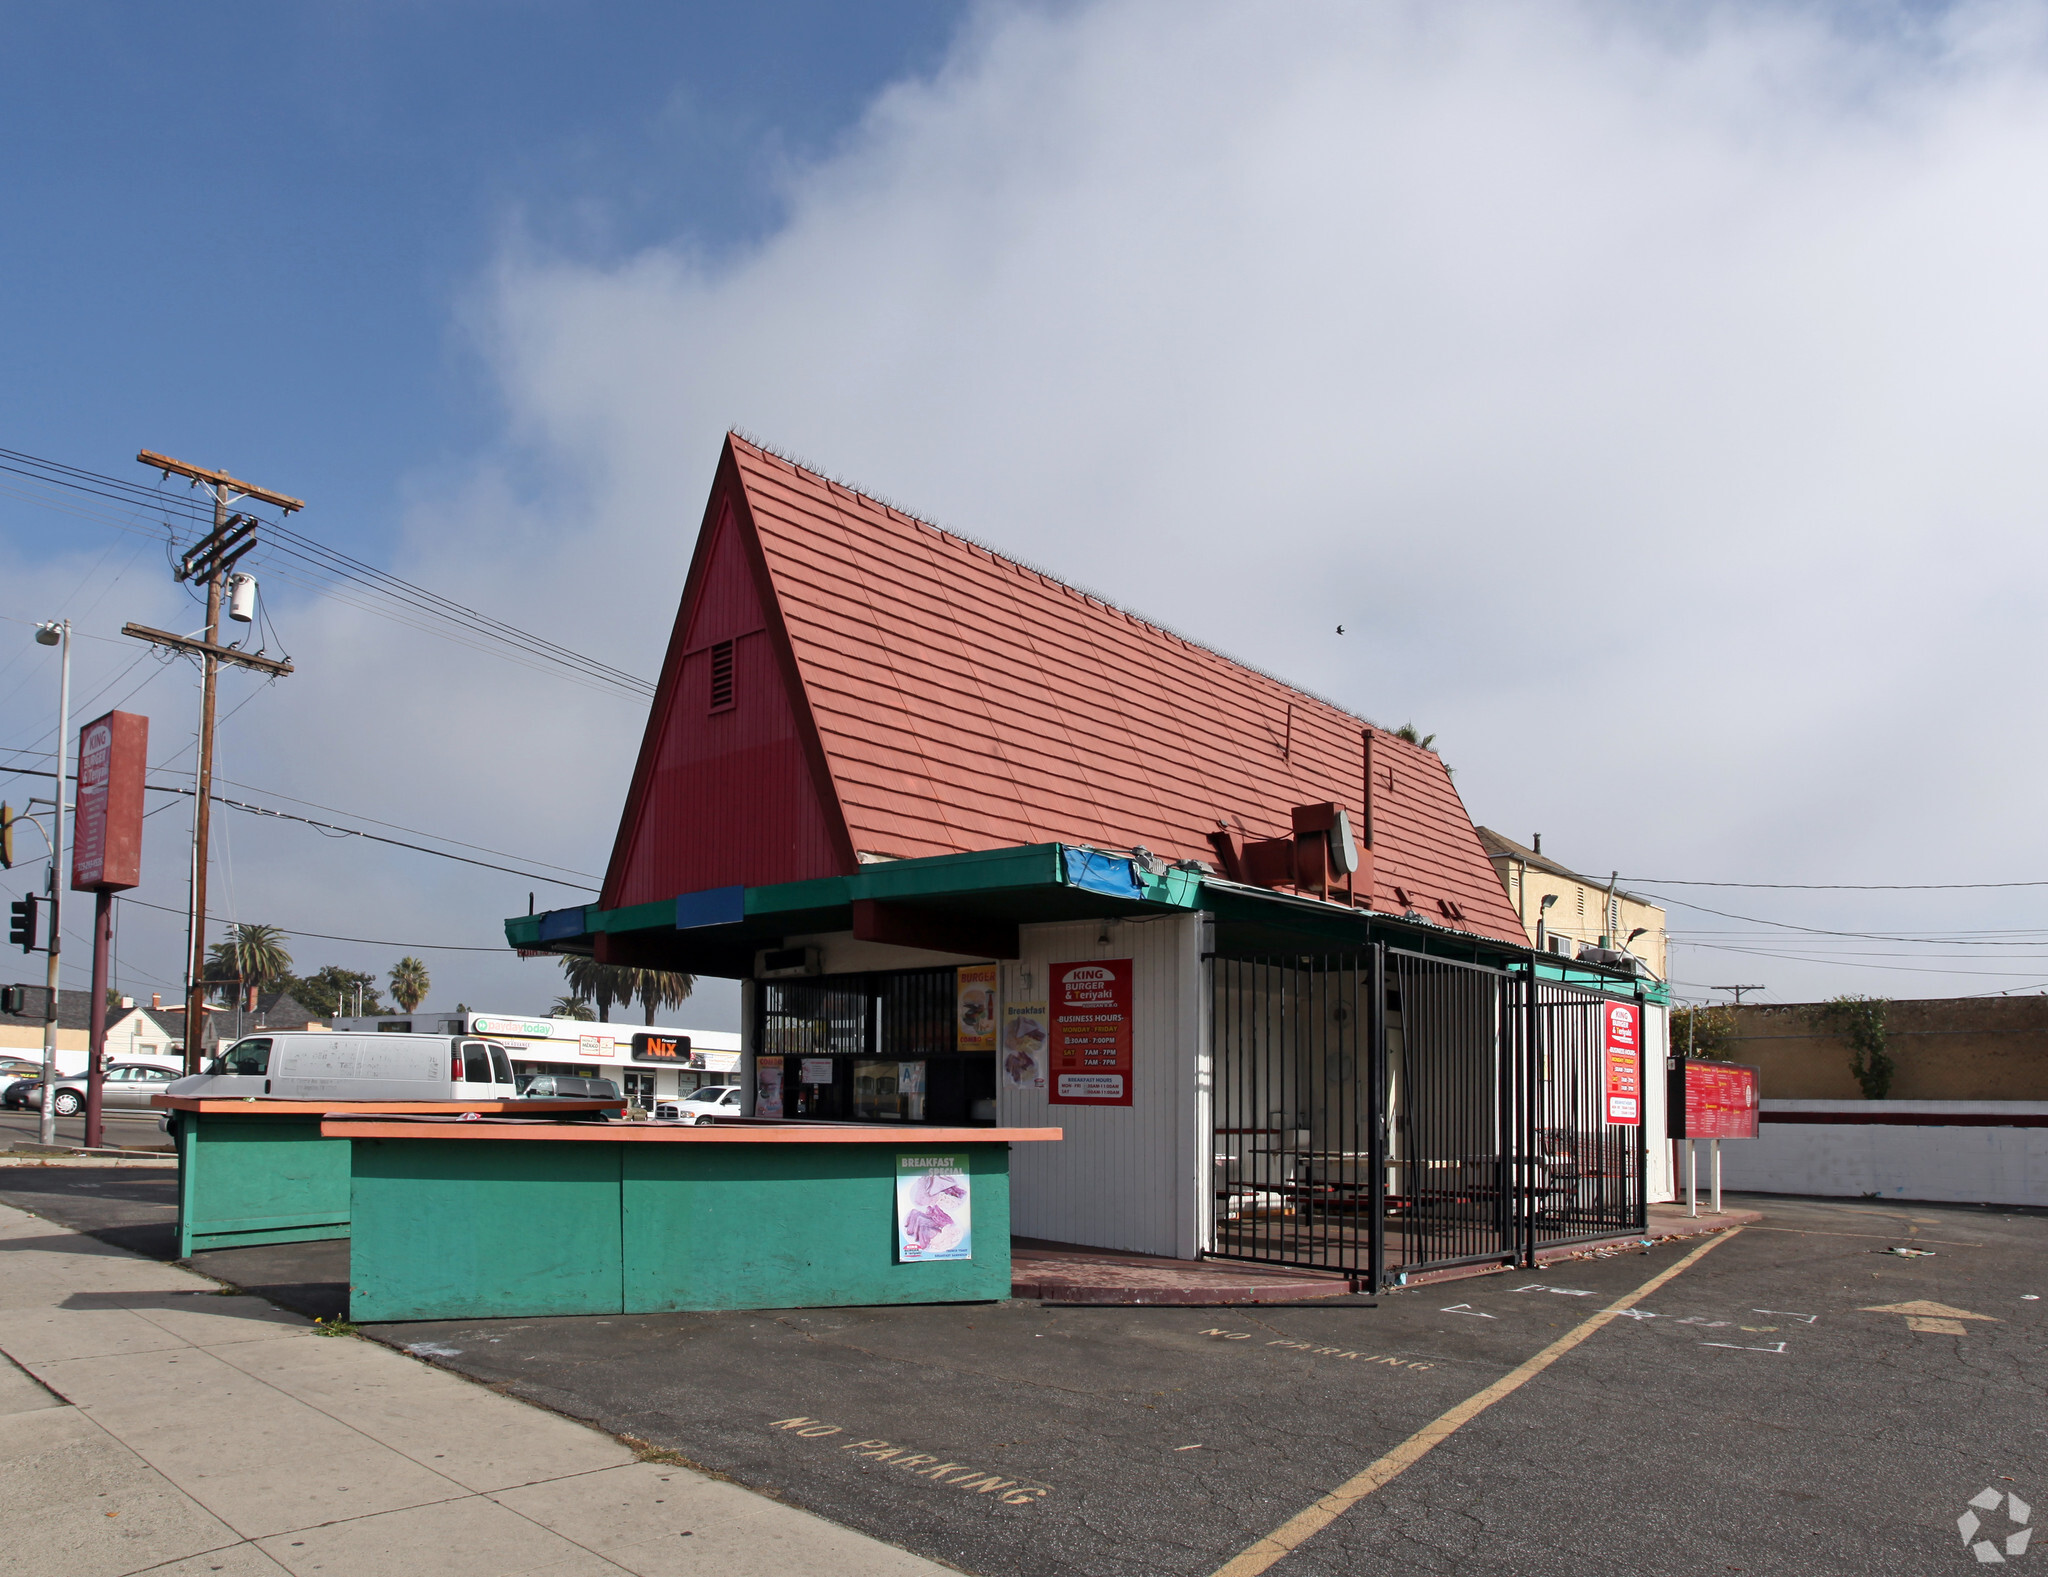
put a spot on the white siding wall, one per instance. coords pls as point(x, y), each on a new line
point(1125, 1177)
point(1973, 1165)
point(1656, 1092)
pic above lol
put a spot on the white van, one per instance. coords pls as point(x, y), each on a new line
point(307, 1065)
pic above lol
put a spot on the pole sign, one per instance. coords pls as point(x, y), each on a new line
point(1091, 1033)
point(1713, 1100)
point(106, 855)
point(1624, 1063)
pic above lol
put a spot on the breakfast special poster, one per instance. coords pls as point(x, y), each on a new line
point(934, 1216)
point(976, 1001)
point(1024, 1039)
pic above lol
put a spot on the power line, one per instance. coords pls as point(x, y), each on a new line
point(1815, 930)
point(1833, 887)
point(329, 569)
point(322, 936)
point(331, 827)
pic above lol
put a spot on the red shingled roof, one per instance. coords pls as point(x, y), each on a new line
point(956, 700)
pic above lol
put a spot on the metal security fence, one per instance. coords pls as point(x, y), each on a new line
point(1379, 1112)
point(1296, 1130)
point(1582, 1175)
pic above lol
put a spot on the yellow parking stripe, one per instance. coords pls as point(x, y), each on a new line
point(1297, 1530)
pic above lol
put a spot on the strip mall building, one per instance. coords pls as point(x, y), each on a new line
point(986, 849)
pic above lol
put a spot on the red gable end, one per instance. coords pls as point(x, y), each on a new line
point(901, 692)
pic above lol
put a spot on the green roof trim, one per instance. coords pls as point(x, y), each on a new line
point(1034, 881)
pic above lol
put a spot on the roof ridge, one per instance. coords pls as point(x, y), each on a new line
point(1025, 565)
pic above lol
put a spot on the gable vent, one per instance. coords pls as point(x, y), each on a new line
point(721, 676)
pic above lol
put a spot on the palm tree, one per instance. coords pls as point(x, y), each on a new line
point(409, 983)
point(570, 1007)
point(252, 956)
point(661, 988)
point(605, 983)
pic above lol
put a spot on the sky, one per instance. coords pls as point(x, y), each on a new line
point(1650, 391)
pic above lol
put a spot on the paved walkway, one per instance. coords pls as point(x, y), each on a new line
point(149, 1423)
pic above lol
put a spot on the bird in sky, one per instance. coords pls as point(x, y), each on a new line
point(1340, 629)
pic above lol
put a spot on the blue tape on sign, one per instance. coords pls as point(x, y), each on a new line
point(712, 906)
point(558, 924)
point(1102, 873)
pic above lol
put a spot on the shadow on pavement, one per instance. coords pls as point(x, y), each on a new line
point(307, 1278)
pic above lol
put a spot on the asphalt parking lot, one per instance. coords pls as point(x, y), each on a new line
point(1759, 1412)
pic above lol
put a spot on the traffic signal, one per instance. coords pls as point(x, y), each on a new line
point(14, 1000)
point(21, 926)
point(6, 837)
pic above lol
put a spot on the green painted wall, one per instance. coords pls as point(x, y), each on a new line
point(760, 1226)
point(449, 1229)
point(258, 1179)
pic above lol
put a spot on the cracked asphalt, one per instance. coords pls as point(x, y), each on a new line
point(1752, 1416)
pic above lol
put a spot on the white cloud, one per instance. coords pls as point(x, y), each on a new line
point(1650, 392)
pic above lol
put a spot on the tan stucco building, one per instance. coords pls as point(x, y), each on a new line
point(132, 1032)
point(1563, 911)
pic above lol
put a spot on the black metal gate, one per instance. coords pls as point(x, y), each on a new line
point(1379, 1112)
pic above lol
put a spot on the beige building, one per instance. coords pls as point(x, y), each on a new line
point(133, 1034)
point(1563, 911)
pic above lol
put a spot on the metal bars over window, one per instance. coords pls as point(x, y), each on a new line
point(1377, 1112)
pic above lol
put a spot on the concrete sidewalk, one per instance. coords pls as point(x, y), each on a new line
point(149, 1423)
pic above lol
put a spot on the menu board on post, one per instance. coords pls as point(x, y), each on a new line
point(106, 848)
point(1713, 1100)
point(1091, 1033)
point(1624, 1063)
point(976, 1024)
point(934, 1208)
point(767, 1086)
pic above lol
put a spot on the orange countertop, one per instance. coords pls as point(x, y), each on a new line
point(258, 1104)
point(917, 1136)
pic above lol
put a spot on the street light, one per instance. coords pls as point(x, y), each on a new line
point(55, 632)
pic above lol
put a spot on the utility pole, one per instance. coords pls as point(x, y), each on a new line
point(57, 632)
point(211, 560)
point(1738, 990)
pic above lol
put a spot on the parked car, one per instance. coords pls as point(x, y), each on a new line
point(570, 1087)
point(127, 1085)
point(17, 1094)
point(310, 1065)
point(706, 1105)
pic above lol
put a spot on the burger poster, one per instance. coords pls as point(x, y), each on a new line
point(1091, 1033)
point(975, 1007)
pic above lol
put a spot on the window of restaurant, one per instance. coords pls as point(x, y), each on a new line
point(873, 1048)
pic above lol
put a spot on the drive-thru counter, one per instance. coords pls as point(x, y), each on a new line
point(459, 1217)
